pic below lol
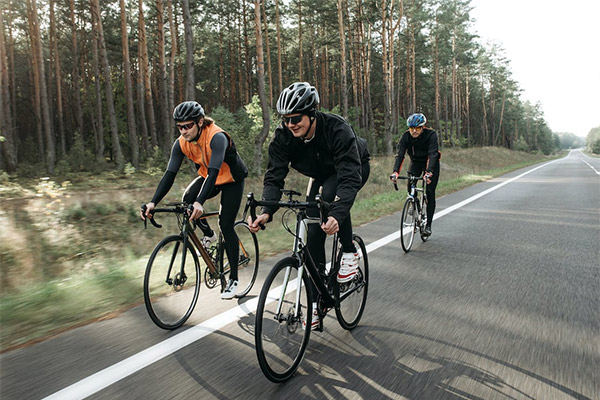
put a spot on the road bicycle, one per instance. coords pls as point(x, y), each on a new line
point(284, 311)
point(173, 273)
point(414, 211)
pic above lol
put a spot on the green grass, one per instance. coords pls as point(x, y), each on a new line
point(77, 252)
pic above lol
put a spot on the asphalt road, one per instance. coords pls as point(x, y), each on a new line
point(501, 303)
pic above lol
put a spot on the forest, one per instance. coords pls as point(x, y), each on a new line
point(90, 85)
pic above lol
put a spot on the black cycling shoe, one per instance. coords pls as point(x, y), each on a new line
point(427, 231)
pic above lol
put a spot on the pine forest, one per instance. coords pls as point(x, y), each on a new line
point(91, 84)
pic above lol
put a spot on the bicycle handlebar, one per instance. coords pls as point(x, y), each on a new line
point(409, 177)
point(319, 203)
point(177, 208)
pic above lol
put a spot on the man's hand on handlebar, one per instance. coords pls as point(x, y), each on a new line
point(331, 226)
point(148, 211)
point(428, 176)
point(255, 225)
point(394, 177)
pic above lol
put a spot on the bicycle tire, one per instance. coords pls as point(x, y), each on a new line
point(169, 300)
point(281, 338)
point(248, 258)
point(351, 297)
point(408, 224)
point(423, 221)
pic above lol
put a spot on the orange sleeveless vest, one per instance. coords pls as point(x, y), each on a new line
point(200, 152)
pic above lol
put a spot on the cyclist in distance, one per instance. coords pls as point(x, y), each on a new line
point(324, 147)
point(220, 170)
point(421, 144)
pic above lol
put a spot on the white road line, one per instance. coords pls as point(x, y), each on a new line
point(106, 377)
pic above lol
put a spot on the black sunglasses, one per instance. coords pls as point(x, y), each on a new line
point(292, 120)
point(185, 126)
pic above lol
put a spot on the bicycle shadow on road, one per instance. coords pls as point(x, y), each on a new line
point(371, 362)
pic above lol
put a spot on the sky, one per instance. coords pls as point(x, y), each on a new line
point(554, 53)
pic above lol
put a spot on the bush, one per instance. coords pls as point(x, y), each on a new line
point(595, 147)
point(156, 163)
point(79, 158)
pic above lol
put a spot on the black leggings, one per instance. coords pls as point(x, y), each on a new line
point(231, 198)
point(315, 236)
point(417, 169)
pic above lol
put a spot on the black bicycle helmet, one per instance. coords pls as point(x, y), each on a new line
point(299, 97)
point(188, 111)
point(416, 120)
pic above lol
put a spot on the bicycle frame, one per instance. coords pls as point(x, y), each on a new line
point(300, 252)
point(188, 233)
point(414, 190)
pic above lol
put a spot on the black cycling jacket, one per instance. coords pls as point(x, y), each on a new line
point(423, 149)
point(333, 150)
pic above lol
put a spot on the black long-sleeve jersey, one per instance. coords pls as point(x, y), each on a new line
point(333, 150)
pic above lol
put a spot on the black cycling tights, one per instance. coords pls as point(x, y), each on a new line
point(315, 236)
point(231, 198)
point(417, 169)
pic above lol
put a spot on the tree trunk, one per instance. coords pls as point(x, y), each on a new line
point(387, 40)
point(110, 104)
point(167, 127)
point(453, 91)
point(190, 82)
point(343, 71)
point(173, 55)
point(145, 72)
point(131, 124)
point(501, 118)
point(354, 71)
point(260, 139)
point(484, 122)
point(324, 93)
point(99, 122)
point(57, 79)
point(278, 27)
point(249, 87)
point(268, 45)
point(77, 104)
point(300, 50)
point(467, 108)
point(46, 121)
point(436, 84)
point(8, 154)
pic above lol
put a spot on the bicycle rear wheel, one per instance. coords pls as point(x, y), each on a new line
point(170, 295)
point(248, 258)
point(408, 224)
point(353, 295)
point(280, 332)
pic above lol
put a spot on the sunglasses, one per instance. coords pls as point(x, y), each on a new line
point(185, 126)
point(292, 120)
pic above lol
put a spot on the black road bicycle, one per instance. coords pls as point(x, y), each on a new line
point(173, 273)
point(284, 312)
point(414, 212)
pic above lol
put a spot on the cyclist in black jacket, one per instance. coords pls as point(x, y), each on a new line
point(421, 144)
point(324, 147)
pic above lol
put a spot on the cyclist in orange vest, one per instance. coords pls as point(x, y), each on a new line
point(220, 170)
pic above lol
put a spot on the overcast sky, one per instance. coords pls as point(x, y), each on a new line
point(554, 53)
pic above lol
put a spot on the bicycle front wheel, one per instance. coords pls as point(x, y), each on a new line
point(248, 258)
point(170, 288)
point(280, 332)
point(423, 221)
point(408, 224)
point(353, 295)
